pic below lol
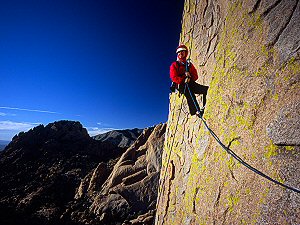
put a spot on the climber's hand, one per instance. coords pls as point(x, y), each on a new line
point(187, 77)
point(187, 74)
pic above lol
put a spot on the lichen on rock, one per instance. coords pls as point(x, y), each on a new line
point(248, 53)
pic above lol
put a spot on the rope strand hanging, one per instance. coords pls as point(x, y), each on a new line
point(235, 156)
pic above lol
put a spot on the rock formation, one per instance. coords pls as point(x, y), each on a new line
point(120, 138)
point(41, 170)
point(3, 144)
point(248, 53)
point(130, 191)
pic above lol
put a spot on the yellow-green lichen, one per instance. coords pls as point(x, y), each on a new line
point(276, 97)
point(230, 163)
point(271, 150)
point(290, 148)
point(230, 112)
point(232, 200)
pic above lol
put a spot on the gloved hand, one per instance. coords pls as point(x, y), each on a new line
point(187, 77)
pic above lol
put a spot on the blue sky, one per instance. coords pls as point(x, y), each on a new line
point(103, 63)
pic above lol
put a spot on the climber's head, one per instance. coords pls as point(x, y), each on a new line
point(182, 52)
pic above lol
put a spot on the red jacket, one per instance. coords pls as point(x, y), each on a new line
point(177, 72)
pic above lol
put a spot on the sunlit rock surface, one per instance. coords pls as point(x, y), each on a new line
point(248, 53)
point(130, 190)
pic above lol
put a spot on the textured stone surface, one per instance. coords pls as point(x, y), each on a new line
point(247, 52)
point(289, 40)
point(41, 171)
point(129, 191)
point(120, 138)
point(285, 130)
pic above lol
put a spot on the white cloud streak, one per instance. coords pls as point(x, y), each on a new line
point(12, 128)
point(28, 110)
point(16, 126)
point(93, 131)
point(6, 114)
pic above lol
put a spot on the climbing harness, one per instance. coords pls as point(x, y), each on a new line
point(232, 153)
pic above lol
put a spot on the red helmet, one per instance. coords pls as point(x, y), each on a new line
point(182, 48)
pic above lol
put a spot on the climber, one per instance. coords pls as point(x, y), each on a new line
point(181, 72)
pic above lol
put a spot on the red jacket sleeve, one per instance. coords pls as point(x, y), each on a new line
point(175, 77)
point(193, 73)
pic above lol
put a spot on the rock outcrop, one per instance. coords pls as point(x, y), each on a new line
point(120, 138)
point(130, 191)
point(248, 53)
point(3, 144)
point(41, 170)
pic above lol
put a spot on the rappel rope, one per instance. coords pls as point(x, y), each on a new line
point(229, 151)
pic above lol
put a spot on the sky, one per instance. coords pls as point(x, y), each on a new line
point(103, 63)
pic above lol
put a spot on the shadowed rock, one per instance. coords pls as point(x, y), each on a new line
point(120, 138)
point(41, 171)
point(131, 188)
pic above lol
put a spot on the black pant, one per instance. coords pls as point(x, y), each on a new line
point(195, 89)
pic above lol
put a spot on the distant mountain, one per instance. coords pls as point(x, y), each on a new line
point(40, 171)
point(3, 144)
point(58, 175)
point(120, 138)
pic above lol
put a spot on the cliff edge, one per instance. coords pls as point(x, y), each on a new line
point(248, 53)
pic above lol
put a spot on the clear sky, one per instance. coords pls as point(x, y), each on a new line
point(103, 63)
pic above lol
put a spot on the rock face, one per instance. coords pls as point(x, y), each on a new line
point(248, 53)
point(41, 170)
point(130, 191)
point(120, 138)
point(284, 130)
point(3, 144)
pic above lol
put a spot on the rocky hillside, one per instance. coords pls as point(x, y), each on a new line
point(3, 144)
point(248, 53)
point(41, 171)
point(120, 138)
point(130, 191)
